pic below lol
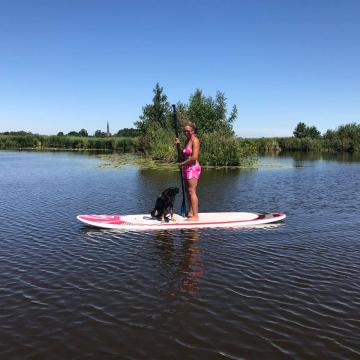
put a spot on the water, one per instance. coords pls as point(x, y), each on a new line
point(286, 291)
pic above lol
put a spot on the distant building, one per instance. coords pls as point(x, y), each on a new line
point(108, 133)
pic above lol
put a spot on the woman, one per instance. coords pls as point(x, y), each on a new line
point(191, 168)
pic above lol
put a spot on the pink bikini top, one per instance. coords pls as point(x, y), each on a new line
point(187, 151)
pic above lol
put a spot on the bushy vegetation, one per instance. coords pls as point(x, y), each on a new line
point(218, 145)
point(346, 138)
point(128, 132)
point(303, 131)
point(154, 134)
point(220, 150)
point(119, 144)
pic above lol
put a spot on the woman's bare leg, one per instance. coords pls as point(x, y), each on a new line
point(193, 199)
point(188, 197)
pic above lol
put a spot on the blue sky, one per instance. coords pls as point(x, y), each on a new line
point(72, 64)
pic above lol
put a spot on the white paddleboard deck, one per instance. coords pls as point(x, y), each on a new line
point(206, 220)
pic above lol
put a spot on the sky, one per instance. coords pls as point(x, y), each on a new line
point(72, 64)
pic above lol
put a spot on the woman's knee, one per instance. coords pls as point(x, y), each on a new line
point(192, 191)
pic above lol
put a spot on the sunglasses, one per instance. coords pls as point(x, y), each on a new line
point(187, 131)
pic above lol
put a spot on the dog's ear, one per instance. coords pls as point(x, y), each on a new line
point(172, 190)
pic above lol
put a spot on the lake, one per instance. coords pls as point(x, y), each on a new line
point(287, 291)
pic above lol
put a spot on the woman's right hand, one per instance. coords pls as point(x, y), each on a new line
point(177, 141)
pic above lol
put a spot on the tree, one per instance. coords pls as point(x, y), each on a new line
point(60, 133)
point(72, 133)
point(313, 132)
point(20, 133)
point(156, 113)
point(128, 132)
point(300, 130)
point(99, 133)
point(349, 135)
point(350, 131)
point(210, 114)
point(83, 133)
point(156, 128)
point(303, 131)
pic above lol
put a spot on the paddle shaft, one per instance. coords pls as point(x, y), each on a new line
point(183, 205)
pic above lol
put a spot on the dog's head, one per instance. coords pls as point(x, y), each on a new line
point(171, 192)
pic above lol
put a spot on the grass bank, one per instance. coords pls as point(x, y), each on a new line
point(41, 142)
point(284, 144)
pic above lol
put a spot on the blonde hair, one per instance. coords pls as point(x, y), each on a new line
point(192, 125)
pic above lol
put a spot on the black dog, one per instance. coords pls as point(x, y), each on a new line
point(164, 201)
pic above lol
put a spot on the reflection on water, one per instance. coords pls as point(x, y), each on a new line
point(191, 265)
point(187, 271)
point(277, 291)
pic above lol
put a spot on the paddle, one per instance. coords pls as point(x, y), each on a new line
point(183, 205)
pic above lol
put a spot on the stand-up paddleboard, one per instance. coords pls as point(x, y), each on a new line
point(206, 220)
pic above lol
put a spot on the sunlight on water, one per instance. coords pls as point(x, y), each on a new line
point(288, 290)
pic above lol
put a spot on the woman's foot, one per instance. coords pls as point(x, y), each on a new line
point(192, 218)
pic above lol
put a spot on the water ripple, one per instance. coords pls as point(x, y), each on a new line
point(288, 290)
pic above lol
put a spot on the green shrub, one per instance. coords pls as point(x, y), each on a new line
point(220, 150)
point(121, 144)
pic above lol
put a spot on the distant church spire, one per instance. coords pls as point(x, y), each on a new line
point(107, 129)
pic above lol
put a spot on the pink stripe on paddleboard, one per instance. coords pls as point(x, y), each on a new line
point(108, 219)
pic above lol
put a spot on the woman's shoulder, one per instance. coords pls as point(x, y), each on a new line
point(195, 140)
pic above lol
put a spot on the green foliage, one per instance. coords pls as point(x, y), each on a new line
point(210, 115)
point(126, 132)
point(124, 144)
point(346, 138)
point(313, 133)
point(221, 150)
point(302, 131)
point(119, 144)
point(72, 133)
point(18, 133)
point(300, 144)
point(266, 145)
point(218, 144)
point(154, 126)
point(155, 114)
point(99, 133)
point(20, 141)
point(159, 143)
point(83, 133)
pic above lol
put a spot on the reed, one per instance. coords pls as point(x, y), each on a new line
point(39, 142)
